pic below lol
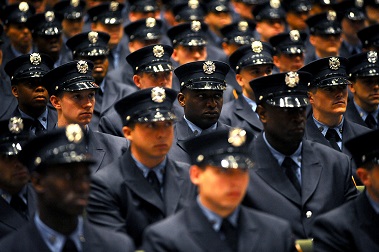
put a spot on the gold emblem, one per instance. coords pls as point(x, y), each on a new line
point(49, 16)
point(209, 67)
point(158, 51)
point(193, 4)
point(372, 57)
point(294, 35)
point(150, 22)
point(292, 79)
point(326, 2)
point(74, 133)
point(23, 7)
point(93, 37)
point(331, 15)
point(275, 4)
point(158, 94)
point(334, 63)
point(359, 3)
point(195, 26)
point(82, 66)
point(74, 3)
point(257, 46)
point(16, 125)
point(113, 6)
point(243, 26)
point(237, 137)
point(35, 58)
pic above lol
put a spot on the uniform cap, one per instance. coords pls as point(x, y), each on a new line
point(364, 149)
point(217, 6)
point(90, 44)
point(17, 13)
point(297, 6)
point(269, 10)
point(144, 29)
point(240, 33)
point(45, 24)
point(14, 133)
point(363, 64)
point(70, 9)
point(107, 13)
point(325, 23)
point(188, 34)
point(350, 9)
point(189, 11)
point(369, 36)
point(144, 6)
point(292, 42)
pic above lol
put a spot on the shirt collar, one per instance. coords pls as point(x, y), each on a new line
point(197, 130)
point(42, 118)
point(364, 114)
point(252, 103)
point(324, 128)
point(17, 53)
point(159, 169)
point(7, 196)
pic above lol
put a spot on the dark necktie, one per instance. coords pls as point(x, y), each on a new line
point(69, 246)
point(333, 137)
point(154, 182)
point(370, 121)
point(38, 128)
point(18, 204)
point(289, 167)
point(230, 233)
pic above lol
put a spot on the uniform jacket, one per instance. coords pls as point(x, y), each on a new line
point(10, 219)
point(352, 113)
point(123, 200)
point(238, 113)
point(96, 240)
point(326, 184)
point(8, 102)
point(52, 117)
point(182, 132)
point(351, 227)
point(189, 230)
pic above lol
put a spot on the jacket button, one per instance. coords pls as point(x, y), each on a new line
point(308, 214)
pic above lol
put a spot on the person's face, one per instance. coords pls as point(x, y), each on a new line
point(283, 125)
point(269, 28)
point(147, 80)
point(244, 10)
point(134, 16)
point(220, 190)
point(328, 101)
point(19, 35)
point(74, 107)
point(250, 73)
point(138, 44)
point(370, 179)
point(289, 62)
point(229, 48)
point(49, 44)
point(372, 14)
point(72, 27)
point(100, 68)
point(218, 20)
point(186, 54)
point(39, 5)
point(366, 92)
point(326, 45)
point(201, 107)
point(31, 95)
point(13, 175)
point(115, 31)
point(350, 28)
point(64, 188)
point(150, 142)
point(296, 21)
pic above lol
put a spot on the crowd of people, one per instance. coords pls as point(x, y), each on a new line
point(189, 125)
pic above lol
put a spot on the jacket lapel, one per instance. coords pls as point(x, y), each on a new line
point(172, 188)
point(244, 111)
point(94, 147)
point(91, 243)
point(314, 134)
point(248, 233)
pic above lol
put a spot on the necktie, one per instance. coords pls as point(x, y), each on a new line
point(18, 204)
point(370, 121)
point(38, 128)
point(289, 169)
point(230, 233)
point(69, 246)
point(333, 137)
point(154, 182)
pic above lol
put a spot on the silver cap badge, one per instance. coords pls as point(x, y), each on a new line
point(195, 26)
point(243, 26)
point(150, 22)
point(49, 16)
point(74, 3)
point(294, 35)
point(74, 133)
point(274, 4)
point(334, 63)
point(82, 66)
point(372, 56)
point(93, 37)
point(209, 67)
point(193, 4)
point(237, 137)
point(113, 6)
point(23, 7)
point(331, 15)
point(158, 51)
point(16, 125)
point(292, 79)
point(158, 94)
point(35, 58)
point(257, 46)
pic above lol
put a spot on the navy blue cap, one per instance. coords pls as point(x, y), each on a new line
point(190, 11)
point(147, 105)
point(70, 9)
point(325, 23)
point(188, 34)
point(257, 53)
point(363, 64)
point(364, 148)
point(285, 90)
point(369, 36)
point(144, 29)
point(107, 13)
point(26, 66)
point(224, 148)
point(69, 77)
point(374, 3)
point(297, 6)
point(1, 34)
point(329, 71)
point(240, 33)
point(13, 135)
point(45, 24)
point(66, 145)
point(325, 3)
point(153, 58)
point(144, 6)
point(217, 6)
point(292, 42)
point(89, 44)
point(350, 9)
point(202, 75)
point(17, 13)
point(269, 10)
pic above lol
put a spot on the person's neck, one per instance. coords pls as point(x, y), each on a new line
point(22, 49)
point(222, 212)
point(64, 224)
point(324, 54)
point(147, 161)
point(369, 108)
point(286, 148)
point(330, 120)
point(35, 113)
